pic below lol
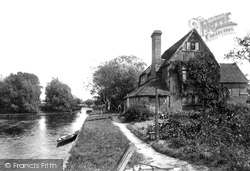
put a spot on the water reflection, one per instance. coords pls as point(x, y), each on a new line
point(42, 124)
point(26, 137)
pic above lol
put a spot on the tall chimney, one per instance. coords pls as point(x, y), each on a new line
point(156, 51)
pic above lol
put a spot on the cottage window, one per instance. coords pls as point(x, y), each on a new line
point(189, 100)
point(193, 99)
point(168, 101)
point(184, 74)
point(188, 45)
point(193, 45)
point(197, 46)
point(196, 99)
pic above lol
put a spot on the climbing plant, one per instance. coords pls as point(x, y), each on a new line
point(200, 76)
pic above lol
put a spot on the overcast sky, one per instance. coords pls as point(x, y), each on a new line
point(64, 39)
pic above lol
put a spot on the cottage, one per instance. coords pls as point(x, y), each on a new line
point(236, 82)
point(158, 74)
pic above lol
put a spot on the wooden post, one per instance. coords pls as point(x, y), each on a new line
point(121, 165)
point(156, 116)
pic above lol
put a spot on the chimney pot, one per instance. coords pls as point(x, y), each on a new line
point(156, 32)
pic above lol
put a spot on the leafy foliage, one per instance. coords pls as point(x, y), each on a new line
point(113, 79)
point(59, 98)
point(137, 113)
point(20, 93)
point(203, 76)
point(225, 132)
point(241, 50)
point(248, 100)
point(89, 102)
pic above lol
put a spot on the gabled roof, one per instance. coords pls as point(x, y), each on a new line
point(177, 46)
point(148, 89)
point(169, 53)
point(231, 73)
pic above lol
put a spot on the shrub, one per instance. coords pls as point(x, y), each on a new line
point(248, 100)
point(225, 131)
point(137, 113)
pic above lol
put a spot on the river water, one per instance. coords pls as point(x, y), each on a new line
point(35, 137)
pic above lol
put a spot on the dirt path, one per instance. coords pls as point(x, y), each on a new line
point(154, 158)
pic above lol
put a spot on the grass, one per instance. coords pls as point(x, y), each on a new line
point(99, 147)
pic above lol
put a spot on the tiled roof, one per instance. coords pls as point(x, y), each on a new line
point(148, 89)
point(231, 73)
point(157, 67)
point(168, 53)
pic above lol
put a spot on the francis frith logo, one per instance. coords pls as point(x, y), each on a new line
point(213, 27)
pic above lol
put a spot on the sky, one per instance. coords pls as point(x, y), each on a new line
point(66, 39)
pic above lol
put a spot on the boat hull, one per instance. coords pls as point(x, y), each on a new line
point(68, 139)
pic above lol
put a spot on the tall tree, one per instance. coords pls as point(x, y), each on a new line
point(58, 97)
point(20, 93)
point(113, 79)
point(241, 50)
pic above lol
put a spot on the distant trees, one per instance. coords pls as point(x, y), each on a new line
point(113, 79)
point(89, 102)
point(20, 93)
point(59, 98)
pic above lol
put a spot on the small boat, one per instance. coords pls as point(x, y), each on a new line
point(67, 138)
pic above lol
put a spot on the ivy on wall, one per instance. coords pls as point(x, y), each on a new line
point(200, 76)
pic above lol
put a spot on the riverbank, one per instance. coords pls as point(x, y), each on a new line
point(99, 146)
point(66, 158)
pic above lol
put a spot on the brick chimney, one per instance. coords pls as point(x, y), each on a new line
point(156, 51)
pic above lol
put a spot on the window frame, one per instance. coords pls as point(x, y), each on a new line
point(192, 45)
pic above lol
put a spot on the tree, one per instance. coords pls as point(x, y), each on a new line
point(20, 93)
point(89, 102)
point(241, 50)
point(58, 97)
point(113, 79)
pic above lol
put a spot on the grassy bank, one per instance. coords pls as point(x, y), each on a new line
point(99, 147)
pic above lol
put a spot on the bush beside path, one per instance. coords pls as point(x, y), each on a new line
point(157, 159)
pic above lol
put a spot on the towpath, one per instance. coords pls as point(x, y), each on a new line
point(154, 158)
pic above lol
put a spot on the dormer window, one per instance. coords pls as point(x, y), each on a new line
point(193, 45)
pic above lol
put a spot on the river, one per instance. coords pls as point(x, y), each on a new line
point(35, 137)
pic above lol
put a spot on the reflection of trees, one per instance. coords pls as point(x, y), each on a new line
point(22, 124)
point(17, 126)
point(57, 121)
